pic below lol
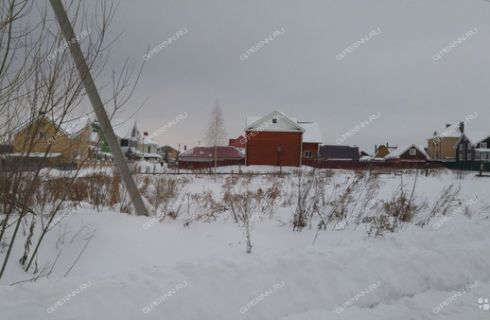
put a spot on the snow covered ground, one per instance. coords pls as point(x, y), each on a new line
point(136, 268)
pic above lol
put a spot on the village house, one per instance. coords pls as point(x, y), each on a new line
point(148, 148)
point(465, 150)
point(482, 150)
point(58, 144)
point(168, 154)
point(468, 151)
point(204, 157)
point(130, 138)
point(383, 150)
point(278, 140)
point(411, 153)
point(442, 146)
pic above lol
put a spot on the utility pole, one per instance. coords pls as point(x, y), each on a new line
point(95, 100)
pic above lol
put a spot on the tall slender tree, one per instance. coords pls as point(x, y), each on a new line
point(216, 132)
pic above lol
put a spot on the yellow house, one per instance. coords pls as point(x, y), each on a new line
point(383, 150)
point(442, 146)
point(65, 144)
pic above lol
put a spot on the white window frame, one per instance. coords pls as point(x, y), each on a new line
point(412, 151)
point(308, 154)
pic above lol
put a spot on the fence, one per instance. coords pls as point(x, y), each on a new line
point(368, 165)
point(467, 165)
point(209, 164)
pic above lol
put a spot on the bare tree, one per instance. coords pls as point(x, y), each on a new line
point(38, 82)
point(216, 132)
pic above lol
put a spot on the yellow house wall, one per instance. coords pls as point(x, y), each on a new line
point(442, 148)
point(55, 141)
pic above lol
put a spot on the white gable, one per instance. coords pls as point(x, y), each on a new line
point(395, 154)
point(273, 122)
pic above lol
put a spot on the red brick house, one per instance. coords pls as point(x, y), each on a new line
point(412, 153)
point(275, 139)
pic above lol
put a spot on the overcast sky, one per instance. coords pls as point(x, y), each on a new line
point(393, 74)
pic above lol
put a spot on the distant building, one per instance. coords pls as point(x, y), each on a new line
point(278, 140)
point(148, 148)
point(130, 138)
point(204, 157)
point(465, 150)
point(442, 146)
point(168, 153)
point(383, 150)
point(336, 152)
point(468, 151)
point(482, 150)
point(411, 153)
point(61, 144)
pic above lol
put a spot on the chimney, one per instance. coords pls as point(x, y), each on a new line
point(435, 133)
point(461, 127)
point(145, 133)
point(448, 125)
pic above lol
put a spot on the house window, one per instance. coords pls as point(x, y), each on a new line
point(483, 145)
point(413, 152)
point(149, 149)
point(43, 135)
point(308, 154)
point(274, 120)
point(478, 156)
point(124, 142)
point(468, 156)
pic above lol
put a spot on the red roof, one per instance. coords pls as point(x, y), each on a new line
point(208, 152)
point(239, 142)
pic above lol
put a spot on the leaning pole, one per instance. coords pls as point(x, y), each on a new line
point(94, 97)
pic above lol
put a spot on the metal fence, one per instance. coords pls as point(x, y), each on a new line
point(468, 165)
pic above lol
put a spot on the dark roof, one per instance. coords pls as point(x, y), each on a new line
point(339, 152)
